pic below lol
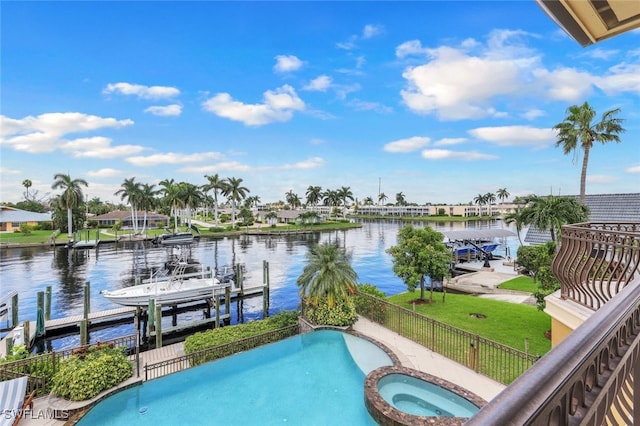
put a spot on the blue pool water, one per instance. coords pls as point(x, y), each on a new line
point(309, 379)
point(422, 398)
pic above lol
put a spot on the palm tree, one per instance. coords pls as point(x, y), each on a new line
point(503, 194)
point(480, 200)
point(517, 219)
point(235, 192)
point(218, 186)
point(331, 198)
point(345, 194)
point(72, 195)
point(328, 274)
point(171, 196)
point(190, 196)
point(27, 184)
point(578, 130)
point(490, 198)
point(313, 194)
point(551, 212)
point(382, 198)
point(147, 201)
point(368, 201)
point(271, 217)
point(292, 199)
point(130, 190)
point(400, 199)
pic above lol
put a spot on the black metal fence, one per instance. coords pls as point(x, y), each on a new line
point(162, 368)
point(41, 368)
point(499, 362)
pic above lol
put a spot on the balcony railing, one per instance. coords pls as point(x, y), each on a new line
point(592, 377)
point(596, 261)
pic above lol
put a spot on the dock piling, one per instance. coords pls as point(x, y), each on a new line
point(47, 303)
point(84, 332)
point(158, 325)
point(87, 299)
point(14, 310)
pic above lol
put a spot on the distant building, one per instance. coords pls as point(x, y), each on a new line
point(602, 208)
point(107, 220)
point(11, 218)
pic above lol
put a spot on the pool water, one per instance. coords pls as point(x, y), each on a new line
point(415, 396)
point(309, 379)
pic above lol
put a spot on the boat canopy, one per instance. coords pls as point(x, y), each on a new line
point(477, 234)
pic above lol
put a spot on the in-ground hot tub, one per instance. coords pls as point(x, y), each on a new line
point(402, 396)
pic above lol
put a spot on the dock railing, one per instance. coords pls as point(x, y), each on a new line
point(42, 367)
point(497, 361)
point(183, 362)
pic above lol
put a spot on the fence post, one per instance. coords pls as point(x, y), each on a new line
point(472, 356)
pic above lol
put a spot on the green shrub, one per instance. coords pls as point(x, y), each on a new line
point(82, 377)
point(341, 314)
point(216, 229)
point(367, 307)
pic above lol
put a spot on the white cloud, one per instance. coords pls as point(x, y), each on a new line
point(632, 169)
point(105, 173)
point(98, 147)
point(319, 84)
point(228, 166)
point(278, 105)
point(360, 105)
point(449, 141)
point(287, 63)
point(371, 31)
point(142, 92)
point(621, 78)
point(564, 84)
point(407, 145)
point(172, 158)
point(600, 179)
point(515, 135)
point(166, 111)
point(444, 154)
point(534, 113)
point(46, 132)
point(411, 47)
point(4, 171)
point(311, 163)
point(600, 53)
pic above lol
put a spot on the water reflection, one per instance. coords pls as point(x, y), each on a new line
point(112, 266)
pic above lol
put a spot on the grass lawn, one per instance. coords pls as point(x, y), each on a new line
point(505, 322)
point(521, 283)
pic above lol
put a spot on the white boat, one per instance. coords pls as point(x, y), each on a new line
point(176, 238)
point(177, 288)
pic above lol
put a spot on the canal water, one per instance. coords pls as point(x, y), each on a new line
point(111, 266)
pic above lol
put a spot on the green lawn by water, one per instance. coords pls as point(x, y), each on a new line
point(504, 322)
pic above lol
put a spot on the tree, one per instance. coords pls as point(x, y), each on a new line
point(517, 219)
point(368, 201)
point(551, 212)
point(400, 199)
point(490, 198)
point(130, 191)
point(313, 194)
point(235, 192)
point(292, 199)
point(382, 198)
point(72, 195)
point(327, 275)
point(190, 196)
point(171, 196)
point(418, 254)
point(345, 194)
point(480, 200)
point(503, 194)
point(218, 186)
point(579, 131)
point(147, 201)
point(27, 184)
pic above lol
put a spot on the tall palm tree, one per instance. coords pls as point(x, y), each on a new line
point(368, 201)
point(71, 195)
point(171, 195)
point(579, 131)
point(292, 199)
point(382, 198)
point(313, 194)
point(27, 184)
point(130, 191)
point(235, 192)
point(400, 199)
point(503, 194)
point(328, 274)
point(551, 212)
point(490, 198)
point(330, 198)
point(480, 200)
point(517, 219)
point(345, 194)
point(147, 201)
point(218, 186)
point(190, 196)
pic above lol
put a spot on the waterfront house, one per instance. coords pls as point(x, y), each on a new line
point(11, 218)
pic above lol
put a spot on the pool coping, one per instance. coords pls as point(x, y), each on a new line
point(387, 415)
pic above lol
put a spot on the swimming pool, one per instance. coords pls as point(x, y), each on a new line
point(310, 379)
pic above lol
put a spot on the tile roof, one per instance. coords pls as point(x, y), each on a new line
point(603, 208)
point(10, 214)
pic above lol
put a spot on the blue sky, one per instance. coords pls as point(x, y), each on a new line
point(441, 101)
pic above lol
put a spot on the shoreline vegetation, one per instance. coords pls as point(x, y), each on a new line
point(107, 235)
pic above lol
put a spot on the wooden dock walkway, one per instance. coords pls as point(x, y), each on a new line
point(58, 323)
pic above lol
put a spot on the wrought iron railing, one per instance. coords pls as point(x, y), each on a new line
point(596, 261)
point(499, 362)
point(592, 377)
